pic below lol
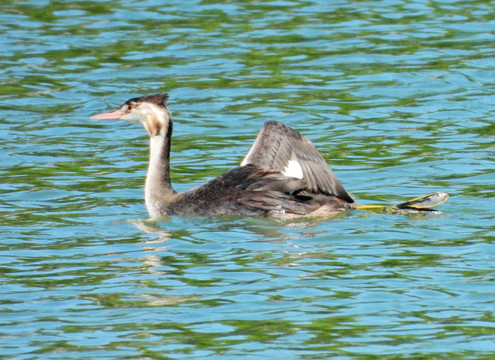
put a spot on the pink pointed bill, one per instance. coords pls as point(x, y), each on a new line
point(112, 115)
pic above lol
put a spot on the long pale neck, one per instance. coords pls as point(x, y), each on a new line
point(158, 189)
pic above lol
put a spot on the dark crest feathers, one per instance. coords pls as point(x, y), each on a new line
point(157, 99)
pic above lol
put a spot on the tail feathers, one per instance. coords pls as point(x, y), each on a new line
point(422, 204)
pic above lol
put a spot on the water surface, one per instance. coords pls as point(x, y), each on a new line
point(399, 98)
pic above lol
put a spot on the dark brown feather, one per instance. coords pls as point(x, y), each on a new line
point(157, 99)
point(247, 190)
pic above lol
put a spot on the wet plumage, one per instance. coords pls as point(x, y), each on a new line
point(283, 175)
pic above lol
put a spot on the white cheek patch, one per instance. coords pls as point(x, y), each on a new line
point(157, 113)
point(293, 169)
point(133, 118)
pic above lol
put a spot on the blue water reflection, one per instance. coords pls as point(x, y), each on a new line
point(398, 97)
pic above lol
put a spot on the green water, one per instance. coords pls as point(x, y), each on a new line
point(399, 98)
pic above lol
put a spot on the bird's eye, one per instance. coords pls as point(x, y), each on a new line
point(129, 108)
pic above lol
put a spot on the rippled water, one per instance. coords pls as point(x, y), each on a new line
point(397, 95)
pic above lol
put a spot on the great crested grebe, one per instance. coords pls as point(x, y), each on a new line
point(283, 175)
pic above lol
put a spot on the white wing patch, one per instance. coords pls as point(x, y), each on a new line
point(293, 169)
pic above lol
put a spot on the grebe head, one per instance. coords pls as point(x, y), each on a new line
point(151, 111)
